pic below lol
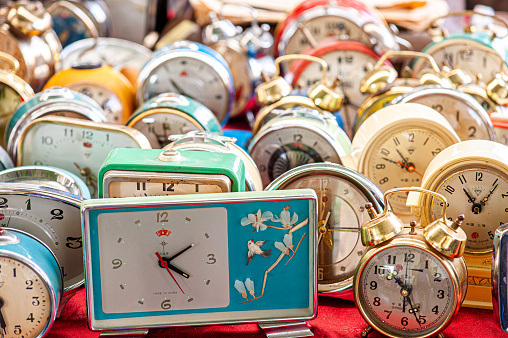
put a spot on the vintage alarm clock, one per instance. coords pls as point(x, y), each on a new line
point(473, 175)
point(53, 217)
point(190, 69)
point(169, 114)
point(384, 83)
point(125, 56)
point(209, 142)
point(276, 94)
point(499, 276)
point(13, 91)
point(467, 117)
point(104, 84)
point(247, 54)
point(31, 285)
point(315, 20)
point(76, 145)
point(472, 57)
point(410, 282)
point(27, 36)
point(200, 259)
point(155, 172)
point(395, 145)
point(347, 62)
point(342, 194)
point(76, 20)
point(53, 101)
point(46, 176)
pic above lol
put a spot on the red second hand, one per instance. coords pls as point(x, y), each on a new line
point(165, 265)
point(409, 168)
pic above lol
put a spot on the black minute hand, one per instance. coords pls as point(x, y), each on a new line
point(486, 198)
point(471, 200)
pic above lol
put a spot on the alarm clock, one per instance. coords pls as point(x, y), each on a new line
point(500, 123)
point(473, 175)
point(169, 114)
point(410, 282)
point(200, 259)
point(342, 194)
point(189, 68)
point(31, 285)
point(154, 172)
point(499, 276)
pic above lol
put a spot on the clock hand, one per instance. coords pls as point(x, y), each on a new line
point(412, 309)
point(163, 264)
point(471, 200)
point(91, 179)
point(179, 89)
point(477, 207)
point(410, 167)
point(404, 159)
point(324, 231)
point(169, 259)
point(3, 331)
point(174, 268)
point(486, 198)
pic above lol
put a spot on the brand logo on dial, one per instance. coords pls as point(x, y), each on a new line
point(163, 232)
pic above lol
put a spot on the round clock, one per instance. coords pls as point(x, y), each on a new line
point(206, 141)
point(104, 84)
point(313, 21)
point(410, 282)
point(466, 48)
point(169, 114)
point(342, 195)
point(295, 137)
point(395, 145)
point(189, 69)
point(50, 177)
point(473, 176)
point(53, 217)
point(75, 145)
point(347, 61)
point(31, 285)
point(467, 117)
point(53, 101)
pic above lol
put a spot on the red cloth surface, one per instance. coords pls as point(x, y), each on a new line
point(336, 318)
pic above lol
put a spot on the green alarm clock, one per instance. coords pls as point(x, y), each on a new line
point(128, 172)
point(200, 259)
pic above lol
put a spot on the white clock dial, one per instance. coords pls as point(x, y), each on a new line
point(481, 194)
point(401, 159)
point(190, 77)
point(108, 100)
point(419, 274)
point(132, 253)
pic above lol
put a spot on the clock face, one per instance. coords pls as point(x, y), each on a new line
point(342, 206)
point(465, 117)
point(281, 149)
point(54, 222)
point(108, 101)
point(480, 193)
point(191, 77)
point(25, 299)
point(158, 124)
point(400, 160)
point(9, 100)
point(80, 149)
point(405, 270)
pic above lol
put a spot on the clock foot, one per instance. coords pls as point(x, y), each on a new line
point(125, 333)
point(367, 331)
point(286, 329)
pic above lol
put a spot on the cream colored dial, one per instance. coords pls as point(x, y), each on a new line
point(108, 100)
point(400, 159)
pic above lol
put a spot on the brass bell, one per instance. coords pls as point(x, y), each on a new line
point(446, 236)
point(456, 75)
point(325, 97)
point(380, 228)
point(29, 18)
point(378, 78)
point(497, 89)
point(273, 90)
point(218, 29)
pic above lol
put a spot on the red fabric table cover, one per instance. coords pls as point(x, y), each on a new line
point(336, 318)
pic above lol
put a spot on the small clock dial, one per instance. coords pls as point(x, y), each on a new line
point(481, 194)
point(55, 223)
point(319, 28)
point(401, 159)
point(341, 204)
point(108, 101)
point(178, 268)
point(407, 291)
point(286, 148)
point(25, 300)
point(9, 100)
point(190, 77)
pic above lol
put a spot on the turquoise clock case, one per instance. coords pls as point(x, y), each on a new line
point(128, 159)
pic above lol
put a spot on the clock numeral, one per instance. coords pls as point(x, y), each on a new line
point(74, 243)
point(320, 274)
point(479, 176)
point(437, 277)
point(409, 257)
point(435, 309)
point(449, 189)
point(3, 203)
point(28, 204)
point(422, 320)
point(70, 132)
point(29, 284)
point(472, 131)
point(166, 304)
point(389, 313)
point(162, 217)
point(211, 259)
point(390, 259)
point(168, 187)
point(380, 166)
point(438, 108)
point(437, 151)
point(383, 180)
point(197, 187)
point(63, 272)
point(506, 210)
point(404, 321)
point(140, 185)
point(14, 272)
point(491, 235)
point(411, 137)
point(502, 195)
point(87, 134)
point(47, 140)
point(35, 301)
point(440, 294)
point(17, 329)
point(30, 317)
point(384, 151)
point(377, 301)
point(297, 138)
point(57, 214)
point(462, 179)
point(396, 141)
point(457, 115)
point(379, 270)
point(373, 285)
point(117, 263)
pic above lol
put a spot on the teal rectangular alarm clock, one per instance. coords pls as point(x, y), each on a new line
point(129, 172)
point(200, 259)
